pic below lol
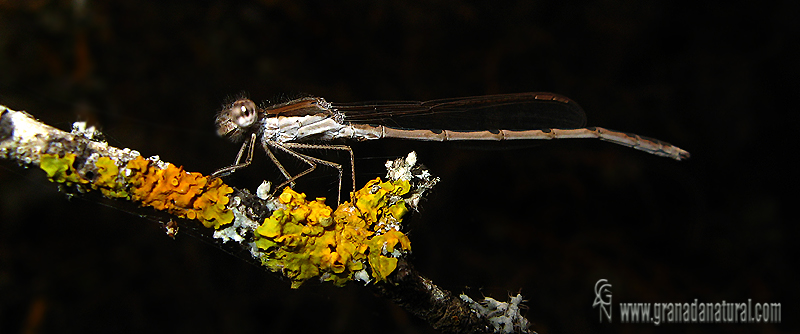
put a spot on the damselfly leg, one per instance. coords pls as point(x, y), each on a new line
point(289, 148)
point(248, 145)
point(312, 162)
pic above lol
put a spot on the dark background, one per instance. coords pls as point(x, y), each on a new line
point(547, 220)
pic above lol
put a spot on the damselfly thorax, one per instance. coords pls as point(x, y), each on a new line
point(291, 125)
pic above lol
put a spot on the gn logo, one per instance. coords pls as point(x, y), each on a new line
point(602, 290)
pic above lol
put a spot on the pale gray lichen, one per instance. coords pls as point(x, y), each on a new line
point(263, 190)
point(362, 275)
point(407, 169)
point(241, 228)
point(91, 133)
point(400, 169)
point(504, 317)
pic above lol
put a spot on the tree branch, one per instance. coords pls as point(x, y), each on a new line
point(360, 240)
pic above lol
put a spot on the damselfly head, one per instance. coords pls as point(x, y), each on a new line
point(234, 120)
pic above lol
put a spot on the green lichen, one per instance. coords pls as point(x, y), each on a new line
point(61, 169)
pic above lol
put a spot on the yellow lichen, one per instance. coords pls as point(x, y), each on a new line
point(381, 265)
point(107, 180)
point(298, 243)
point(307, 239)
point(373, 199)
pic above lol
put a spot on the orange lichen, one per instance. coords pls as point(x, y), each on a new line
point(184, 194)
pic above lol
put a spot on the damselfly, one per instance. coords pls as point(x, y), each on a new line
point(292, 125)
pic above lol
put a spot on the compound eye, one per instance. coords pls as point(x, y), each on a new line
point(243, 113)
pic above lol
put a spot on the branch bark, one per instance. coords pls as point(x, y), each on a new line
point(84, 165)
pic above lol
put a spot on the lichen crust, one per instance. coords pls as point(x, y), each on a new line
point(171, 189)
point(306, 238)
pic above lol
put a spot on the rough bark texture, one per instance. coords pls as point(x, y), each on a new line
point(442, 309)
